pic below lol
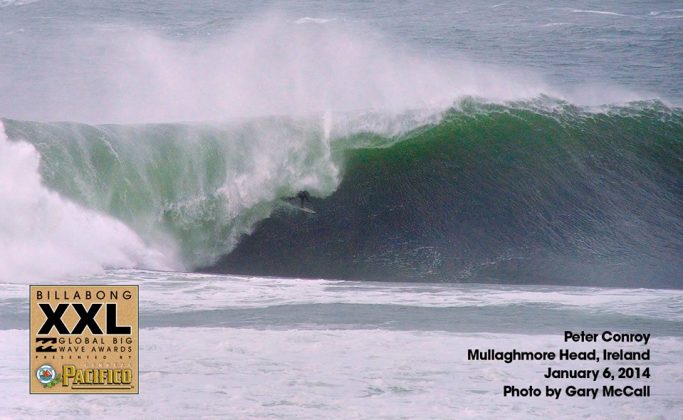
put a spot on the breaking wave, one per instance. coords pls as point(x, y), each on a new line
point(534, 191)
point(422, 168)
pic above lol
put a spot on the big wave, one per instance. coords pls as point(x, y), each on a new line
point(530, 192)
point(422, 168)
point(515, 193)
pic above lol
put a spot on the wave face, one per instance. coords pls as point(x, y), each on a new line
point(189, 190)
point(521, 193)
point(537, 191)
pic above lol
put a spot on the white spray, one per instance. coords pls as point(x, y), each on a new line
point(43, 236)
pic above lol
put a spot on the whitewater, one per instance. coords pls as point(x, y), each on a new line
point(483, 175)
point(253, 347)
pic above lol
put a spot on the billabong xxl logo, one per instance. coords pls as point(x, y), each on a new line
point(84, 339)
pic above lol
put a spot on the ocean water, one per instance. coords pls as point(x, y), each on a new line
point(252, 347)
point(484, 175)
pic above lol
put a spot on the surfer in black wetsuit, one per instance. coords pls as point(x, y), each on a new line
point(303, 196)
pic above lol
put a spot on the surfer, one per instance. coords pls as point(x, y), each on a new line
point(303, 195)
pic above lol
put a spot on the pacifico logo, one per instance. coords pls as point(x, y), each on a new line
point(84, 339)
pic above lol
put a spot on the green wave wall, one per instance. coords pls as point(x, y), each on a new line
point(531, 192)
point(523, 193)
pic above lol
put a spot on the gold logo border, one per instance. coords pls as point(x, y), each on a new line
point(31, 342)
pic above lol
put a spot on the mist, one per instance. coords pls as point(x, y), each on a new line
point(272, 65)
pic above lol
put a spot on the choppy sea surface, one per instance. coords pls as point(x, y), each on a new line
point(249, 347)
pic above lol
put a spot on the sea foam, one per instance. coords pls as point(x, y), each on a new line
point(44, 236)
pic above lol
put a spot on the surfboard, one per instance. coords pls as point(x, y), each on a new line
point(304, 209)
